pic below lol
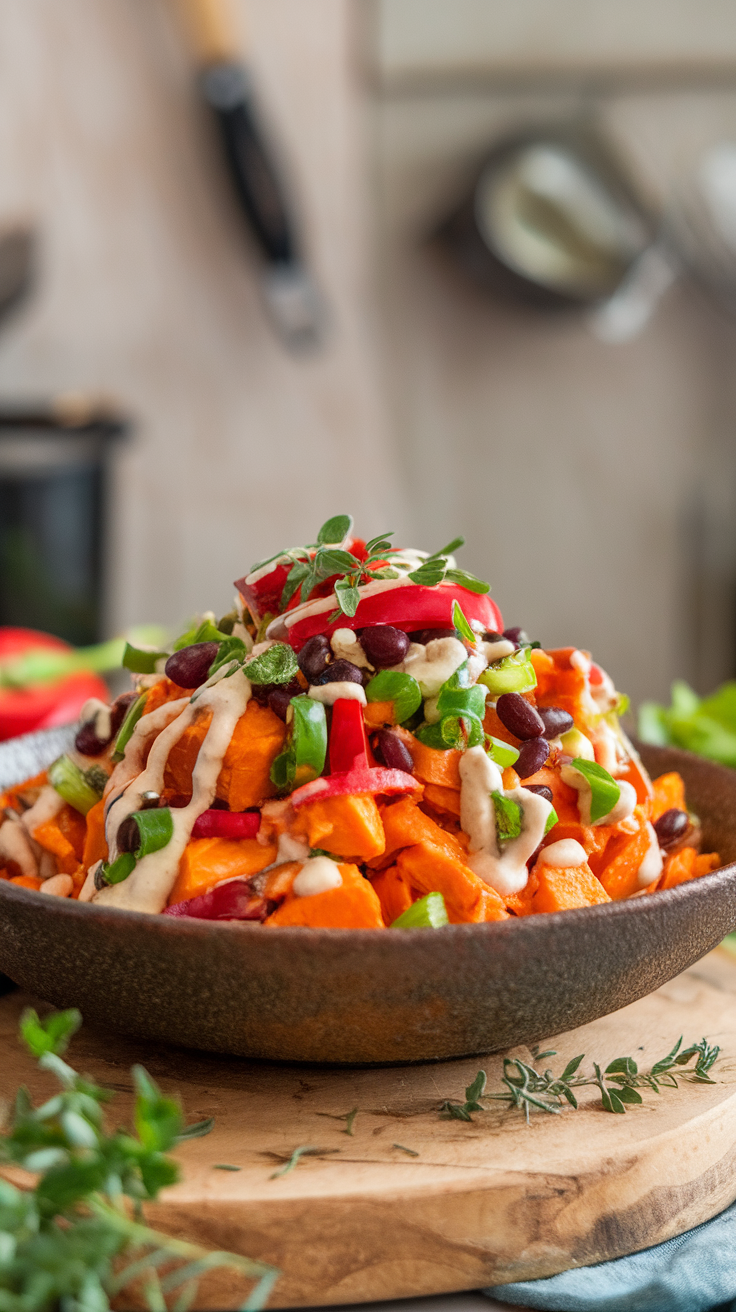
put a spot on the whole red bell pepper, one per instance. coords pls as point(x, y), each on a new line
point(233, 900)
point(408, 607)
point(42, 705)
point(226, 824)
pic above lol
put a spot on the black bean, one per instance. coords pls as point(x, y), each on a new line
point(671, 826)
point(556, 721)
point(384, 645)
point(391, 752)
point(431, 635)
point(518, 716)
point(341, 672)
point(489, 635)
point(314, 656)
point(532, 756)
point(190, 667)
point(87, 741)
point(129, 836)
point(279, 697)
point(540, 789)
point(516, 635)
point(119, 710)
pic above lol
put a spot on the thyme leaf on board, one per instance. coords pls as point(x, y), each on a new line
point(410, 1152)
point(527, 1088)
point(78, 1238)
point(303, 1150)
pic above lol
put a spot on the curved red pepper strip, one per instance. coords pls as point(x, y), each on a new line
point(348, 742)
point(227, 824)
point(233, 900)
point(375, 780)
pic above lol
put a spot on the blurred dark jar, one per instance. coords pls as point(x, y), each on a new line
point(54, 474)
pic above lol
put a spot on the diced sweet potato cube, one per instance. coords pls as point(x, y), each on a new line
point(685, 865)
point(354, 905)
point(623, 857)
point(244, 778)
point(394, 893)
point(563, 890)
point(431, 869)
point(405, 824)
point(348, 826)
point(207, 861)
point(669, 794)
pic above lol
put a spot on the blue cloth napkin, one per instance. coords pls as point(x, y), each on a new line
point(695, 1272)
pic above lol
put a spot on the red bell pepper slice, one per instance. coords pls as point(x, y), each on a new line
point(233, 900)
point(227, 824)
point(371, 779)
point(264, 594)
point(348, 742)
point(408, 607)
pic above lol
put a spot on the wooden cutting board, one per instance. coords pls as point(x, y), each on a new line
point(412, 1204)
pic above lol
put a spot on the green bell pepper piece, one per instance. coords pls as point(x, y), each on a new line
point(429, 912)
point(394, 686)
point(461, 701)
point(604, 791)
point(508, 817)
point(501, 753)
point(303, 758)
point(515, 673)
point(552, 819)
point(141, 660)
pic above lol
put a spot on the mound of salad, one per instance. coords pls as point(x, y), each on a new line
point(359, 744)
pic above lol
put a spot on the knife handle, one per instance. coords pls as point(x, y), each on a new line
point(225, 87)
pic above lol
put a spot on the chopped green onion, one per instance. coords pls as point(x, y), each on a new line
point(135, 711)
point(120, 868)
point(96, 778)
point(515, 673)
point(142, 660)
point(156, 828)
point(604, 791)
point(501, 753)
point(552, 819)
point(204, 632)
point(508, 817)
point(428, 912)
point(453, 731)
point(394, 686)
point(70, 783)
point(461, 701)
point(575, 743)
point(227, 650)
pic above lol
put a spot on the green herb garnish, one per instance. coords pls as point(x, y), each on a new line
point(296, 1157)
point(410, 1152)
point(276, 665)
point(461, 624)
point(74, 785)
point(71, 1242)
point(527, 1088)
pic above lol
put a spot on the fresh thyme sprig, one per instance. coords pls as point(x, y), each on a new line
point(527, 1088)
point(327, 558)
point(71, 1242)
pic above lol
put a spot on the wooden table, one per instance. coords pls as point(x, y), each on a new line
point(413, 1204)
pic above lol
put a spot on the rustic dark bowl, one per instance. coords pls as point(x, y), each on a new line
point(361, 996)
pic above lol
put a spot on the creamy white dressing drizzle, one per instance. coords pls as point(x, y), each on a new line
point(504, 870)
point(496, 651)
point(651, 867)
point(148, 887)
point(319, 874)
point(433, 665)
point(290, 848)
point(563, 855)
point(47, 805)
point(329, 693)
point(346, 647)
point(148, 727)
point(280, 626)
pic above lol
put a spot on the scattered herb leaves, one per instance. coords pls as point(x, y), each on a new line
point(508, 817)
point(73, 1242)
point(527, 1087)
point(296, 1156)
point(225, 1166)
point(197, 1130)
point(277, 664)
point(411, 1152)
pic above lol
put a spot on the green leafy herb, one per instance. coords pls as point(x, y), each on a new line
point(410, 1152)
point(350, 1121)
point(604, 791)
point(527, 1088)
point(437, 567)
point(276, 665)
point(197, 1130)
point(508, 817)
point(225, 1166)
point(71, 1242)
point(142, 660)
point(335, 529)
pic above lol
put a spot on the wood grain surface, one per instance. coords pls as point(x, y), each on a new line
point(488, 1202)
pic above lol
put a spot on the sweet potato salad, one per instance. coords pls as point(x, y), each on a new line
point(360, 744)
